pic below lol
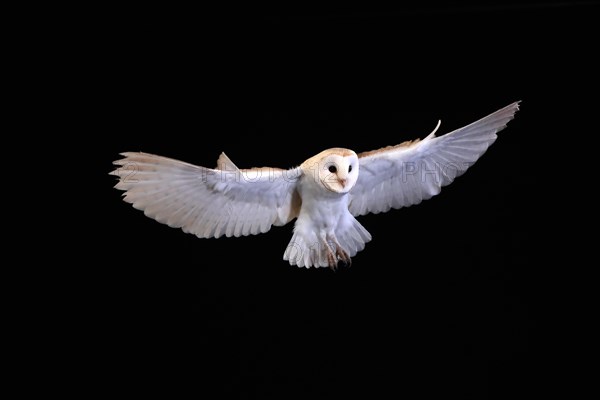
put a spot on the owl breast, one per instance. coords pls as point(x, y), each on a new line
point(321, 208)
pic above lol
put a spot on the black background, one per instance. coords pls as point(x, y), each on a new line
point(450, 298)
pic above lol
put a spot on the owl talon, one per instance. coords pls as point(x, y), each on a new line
point(332, 260)
point(343, 256)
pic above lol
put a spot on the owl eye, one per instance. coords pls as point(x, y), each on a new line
point(332, 169)
point(350, 168)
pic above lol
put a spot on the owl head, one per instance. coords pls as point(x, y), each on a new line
point(336, 169)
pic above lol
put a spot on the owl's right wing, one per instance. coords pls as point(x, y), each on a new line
point(208, 202)
point(403, 175)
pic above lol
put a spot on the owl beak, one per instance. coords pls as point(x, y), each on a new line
point(342, 182)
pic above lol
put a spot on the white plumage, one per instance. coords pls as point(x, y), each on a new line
point(324, 193)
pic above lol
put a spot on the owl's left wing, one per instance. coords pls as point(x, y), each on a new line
point(403, 175)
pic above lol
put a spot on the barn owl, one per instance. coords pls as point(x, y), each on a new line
point(324, 194)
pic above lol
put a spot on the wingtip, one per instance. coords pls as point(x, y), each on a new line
point(510, 109)
point(515, 105)
point(132, 153)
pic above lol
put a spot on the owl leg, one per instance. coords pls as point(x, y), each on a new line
point(331, 255)
point(341, 253)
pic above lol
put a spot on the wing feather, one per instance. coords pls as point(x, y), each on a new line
point(406, 174)
point(208, 202)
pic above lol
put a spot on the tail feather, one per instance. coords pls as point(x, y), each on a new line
point(306, 250)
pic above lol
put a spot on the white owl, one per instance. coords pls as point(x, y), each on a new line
point(324, 194)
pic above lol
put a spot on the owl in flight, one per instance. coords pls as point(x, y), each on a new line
point(324, 194)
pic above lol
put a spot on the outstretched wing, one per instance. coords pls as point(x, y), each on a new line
point(403, 175)
point(208, 202)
